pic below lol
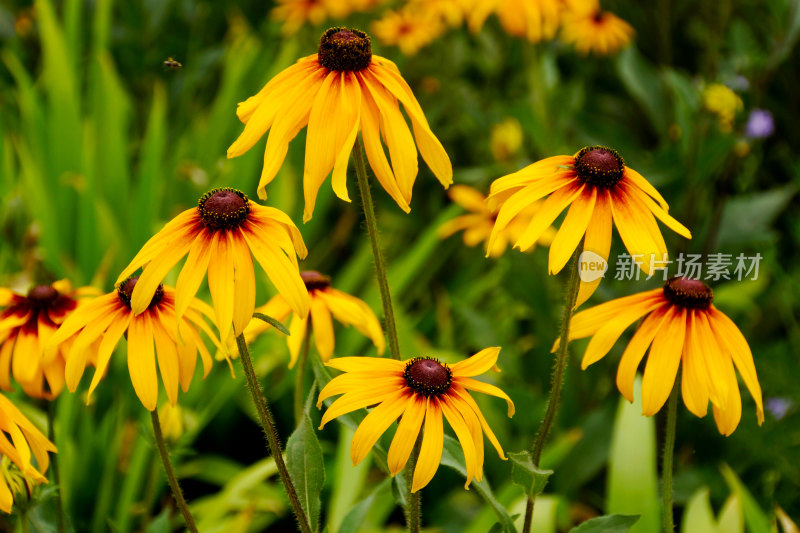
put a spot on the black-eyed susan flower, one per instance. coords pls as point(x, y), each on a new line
point(294, 13)
point(681, 327)
point(341, 90)
point(326, 303)
point(219, 236)
point(590, 29)
point(410, 28)
point(422, 390)
point(156, 333)
point(478, 224)
point(534, 20)
point(26, 441)
point(26, 323)
point(598, 188)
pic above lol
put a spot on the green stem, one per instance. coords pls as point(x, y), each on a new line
point(51, 435)
point(666, 461)
point(413, 511)
point(559, 369)
point(374, 239)
point(299, 397)
point(267, 424)
point(173, 481)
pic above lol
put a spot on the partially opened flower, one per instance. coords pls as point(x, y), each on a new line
point(478, 224)
point(25, 440)
point(591, 29)
point(534, 20)
point(681, 326)
point(219, 236)
point(26, 323)
point(326, 303)
point(154, 334)
point(341, 91)
point(419, 390)
point(598, 188)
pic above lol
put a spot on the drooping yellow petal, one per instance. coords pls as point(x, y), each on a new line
point(406, 435)
point(26, 361)
point(142, 360)
point(549, 211)
point(356, 364)
point(79, 351)
point(244, 287)
point(353, 381)
point(430, 454)
point(470, 401)
point(298, 330)
point(377, 422)
point(609, 333)
point(167, 356)
point(112, 335)
point(636, 237)
point(464, 436)
point(662, 364)
point(221, 282)
point(695, 380)
point(322, 325)
point(474, 426)
point(556, 169)
point(154, 273)
point(718, 365)
point(271, 213)
point(352, 311)
point(351, 96)
point(479, 386)
point(598, 241)
point(193, 272)
point(572, 229)
point(587, 322)
point(663, 216)
point(355, 400)
point(283, 81)
point(637, 180)
point(468, 198)
point(477, 364)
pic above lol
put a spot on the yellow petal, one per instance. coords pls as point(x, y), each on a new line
point(470, 401)
point(464, 438)
point(597, 240)
point(609, 333)
point(355, 400)
point(322, 326)
point(244, 286)
point(298, 330)
point(406, 435)
point(106, 349)
point(637, 180)
point(142, 360)
point(551, 208)
point(192, 273)
point(377, 422)
point(430, 454)
point(167, 355)
point(356, 364)
point(479, 363)
point(479, 386)
point(221, 281)
point(572, 229)
point(694, 381)
point(662, 364)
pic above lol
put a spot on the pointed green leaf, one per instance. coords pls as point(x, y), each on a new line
point(614, 523)
point(306, 467)
point(698, 515)
point(525, 474)
point(272, 322)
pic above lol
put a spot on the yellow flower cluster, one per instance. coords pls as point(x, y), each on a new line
point(723, 102)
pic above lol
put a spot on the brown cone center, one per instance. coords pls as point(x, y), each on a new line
point(43, 294)
point(599, 166)
point(426, 375)
point(125, 292)
point(688, 293)
point(223, 209)
point(344, 49)
point(314, 280)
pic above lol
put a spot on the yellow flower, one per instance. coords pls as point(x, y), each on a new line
point(295, 13)
point(177, 340)
point(450, 12)
point(506, 139)
point(326, 302)
point(220, 234)
point(25, 440)
point(419, 389)
point(409, 28)
point(26, 323)
point(535, 20)
point(681, 325)
point(591, 29)
point(478, 224)
point(599, 189)
point(171, 418)
point(338, 92)
point(723, 102)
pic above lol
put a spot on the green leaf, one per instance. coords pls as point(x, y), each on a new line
point(453, 457)
point(698, 515)
point(272, 322)
point(749, 218)
point(306, 467)
point(160, 524)
point(632, 479)
point(525, 474)
point(614, 523)
point(353, 520)
point(754, 517)
point(730, 517)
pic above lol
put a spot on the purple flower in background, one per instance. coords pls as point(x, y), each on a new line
point(779, 406)
point(759, 124)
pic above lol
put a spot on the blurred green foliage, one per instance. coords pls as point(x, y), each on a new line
point(100, 145)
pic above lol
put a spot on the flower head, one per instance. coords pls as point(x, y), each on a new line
point(25, 440)
point(591, 29)
point(410, 28)
point(326, 303)
point(177, 340)
point(477, 225)
point(506, 139)
point(760, 124)
point(342, 90)
point(420, 390)
point(26, 323)
point(681, 325)
point(723, 102)
point(534, 20)
point(219, 236)
point(598, 188)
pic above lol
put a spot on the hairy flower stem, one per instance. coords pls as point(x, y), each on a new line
point(299, 396)
point(377, 254)
point(267, 424)
point(414, 510)
point(173, 481)
point(666, 462)
point(559, 368)
point(51, 435)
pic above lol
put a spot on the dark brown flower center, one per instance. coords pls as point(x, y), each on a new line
point(599, 166)
point(125, 292)
point(426, 375)
point(42, 302)
point(223, 209)
point(314, 280)
point(42, 294)
point(688, 293)
point(344, 49)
